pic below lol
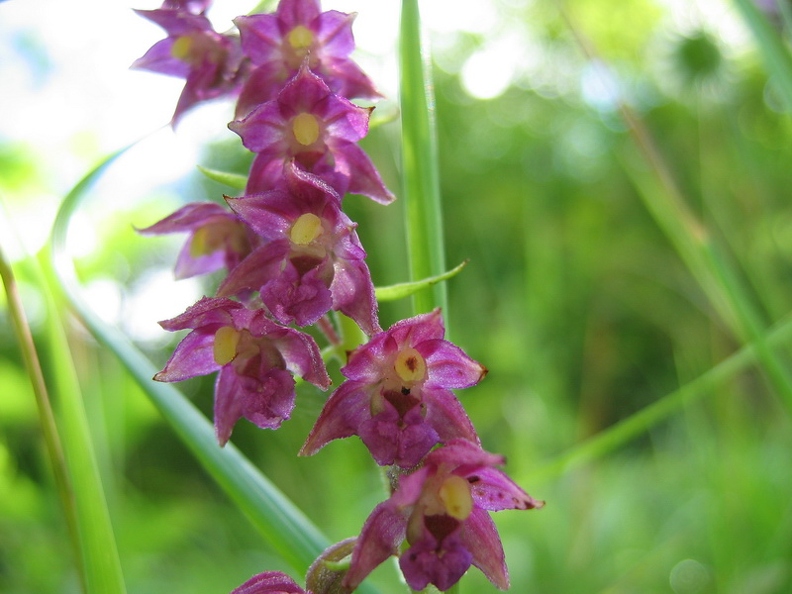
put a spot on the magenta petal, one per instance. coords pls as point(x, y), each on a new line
point(297, 12)
point(481, 538)
point(193, 356)
point(159, 58)
point(418, 329)
point(206, 311)
point(341, 416)
point(449, 366)
point(380, 538)
point(445, 413)
point(364, 178)
point(255, 270)
point(353, 294)
point(365, 363)
point(494, 491)
point(229, 403)
point(334, 30)
point(269, 582)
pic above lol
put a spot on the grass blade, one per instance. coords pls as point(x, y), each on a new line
point(421, 181)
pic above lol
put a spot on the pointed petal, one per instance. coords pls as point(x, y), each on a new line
point(446, 414)
point(364, 177)
point(353, 294)
point(192, 357)
point(380, 538)
point(493, 490)
point(207, 311)
point(256, 270)
point(481, 538)
point(344, 411)
point(448, 365)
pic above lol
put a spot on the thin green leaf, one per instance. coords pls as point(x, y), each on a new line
point(97, 542)
point(421, 180)
point(284, 527)
point(640, 422)
point(402, 290)
point(232, 180)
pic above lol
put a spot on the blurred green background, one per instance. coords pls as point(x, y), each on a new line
point(574, 298)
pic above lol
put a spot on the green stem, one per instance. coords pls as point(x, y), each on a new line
point(637, 424)
point(421, 180)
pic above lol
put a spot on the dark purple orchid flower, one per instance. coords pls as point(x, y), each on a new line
point(278, 43)
point(270, 582)
point(255, 357)
point(398, 397)
point(217, 238)
point(441, 511)
point(317, 129)
point(311, 260)
point(212, 64)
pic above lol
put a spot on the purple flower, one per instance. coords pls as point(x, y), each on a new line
point(441, 510)
point(316, 128)
point(191, 6)
point(311, 259)
point(212, 64)
point(217, 238)
point(270, 582)
point(398, 397)
point(255, 357)
point(278, 43)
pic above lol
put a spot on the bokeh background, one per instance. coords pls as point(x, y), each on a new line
point(574, 297)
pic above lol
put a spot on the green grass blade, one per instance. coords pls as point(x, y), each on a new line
point(639, 423)
point(97, 542)
point(284, 527)
point(421, 181)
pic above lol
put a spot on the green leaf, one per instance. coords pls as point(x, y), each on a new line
point(232, 180)
point(402, 290)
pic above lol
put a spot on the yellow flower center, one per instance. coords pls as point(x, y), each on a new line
point(456, 497)
point(300, 38)
point(410, 365)
point(181, 47)
point(225, 345)
point(306, 229)
point(305, 128)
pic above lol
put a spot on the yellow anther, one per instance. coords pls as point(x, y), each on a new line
point(225, 345)
point(181, 47)
point(300, 37)
point(456, 497)
point(410, 365)
point(305, 128)
point(306, 229)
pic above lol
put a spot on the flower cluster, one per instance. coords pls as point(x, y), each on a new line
point(291, 256)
